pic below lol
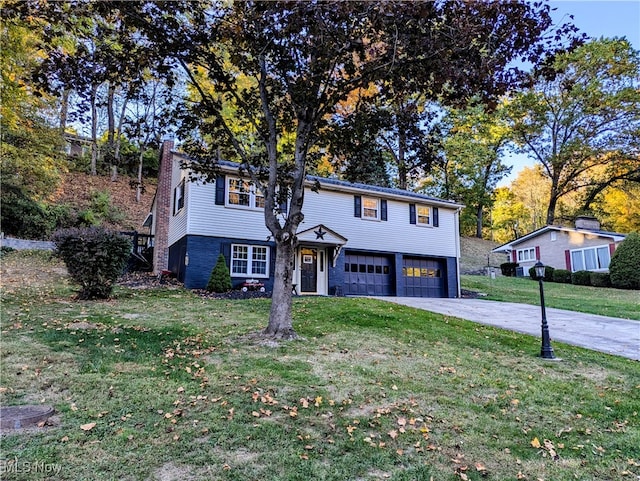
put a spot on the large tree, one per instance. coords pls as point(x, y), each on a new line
point(471, 165)
point(282, 68)
point(581, 120)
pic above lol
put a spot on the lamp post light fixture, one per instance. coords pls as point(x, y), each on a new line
point(546, 351)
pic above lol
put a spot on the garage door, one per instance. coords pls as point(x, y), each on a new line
point(423, 277)
point(366, 275)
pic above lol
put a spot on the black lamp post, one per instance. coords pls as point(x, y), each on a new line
point(546, 351)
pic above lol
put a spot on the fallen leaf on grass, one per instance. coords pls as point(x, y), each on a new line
point(535, 442)
point(88, 426)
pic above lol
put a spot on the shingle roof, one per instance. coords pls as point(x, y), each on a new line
point(351, 186)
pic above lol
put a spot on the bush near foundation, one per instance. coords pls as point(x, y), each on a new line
point(95, 258)
point(600, 279)
point(624, 268)
point(581, 278)
point(220, 279)
point(562, 276)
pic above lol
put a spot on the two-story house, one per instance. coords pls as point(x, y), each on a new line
point(585, 247)
point(355, 239)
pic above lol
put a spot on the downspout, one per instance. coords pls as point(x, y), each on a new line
point(458, 253)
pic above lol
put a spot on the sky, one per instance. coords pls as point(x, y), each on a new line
point(596, 18)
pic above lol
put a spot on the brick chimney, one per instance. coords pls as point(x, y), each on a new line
point(163, 209)
point(587, 222)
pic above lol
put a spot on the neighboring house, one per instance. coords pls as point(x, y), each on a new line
point(355, 239)
point(584, 247)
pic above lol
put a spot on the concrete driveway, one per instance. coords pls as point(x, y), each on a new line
point(600, 333)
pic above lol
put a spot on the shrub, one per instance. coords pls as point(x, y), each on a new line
point(548, 273)
point(600, 279)
point(95, 257)
point(625, 263)
point(581, 278)
point(562, 275)
point(508, 269)
point(220, 279)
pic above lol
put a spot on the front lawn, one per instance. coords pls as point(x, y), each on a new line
point(162, 384)
point(594, 300)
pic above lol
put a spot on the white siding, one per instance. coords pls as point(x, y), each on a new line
point(178, 221)
point(207, 218)
point(333, 209)
point(336, 211)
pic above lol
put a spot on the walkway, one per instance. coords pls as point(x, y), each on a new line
point(600, 333)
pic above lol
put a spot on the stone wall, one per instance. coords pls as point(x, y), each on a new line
point(23, 244)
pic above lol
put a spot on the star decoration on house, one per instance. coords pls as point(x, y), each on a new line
point(320, 233)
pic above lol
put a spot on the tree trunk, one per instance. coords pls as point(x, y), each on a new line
point(94, 130)
point(139, 183)
point(64, 110)
point(479, 222)
point(280, 321)
point(402, 166)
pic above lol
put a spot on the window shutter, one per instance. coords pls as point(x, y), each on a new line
point(412, 213)
point(537, 253)
point(383, 209)
point(226, 252)
point(567, 259)
point(612, 248)
point(514, 256)
point(357, 206)
point(175, 193)
point(436, 221)
point(220, 186)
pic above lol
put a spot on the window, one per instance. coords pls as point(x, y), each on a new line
point(423, 215)
point(370, 209)
point(553, 235)
point(178, 197)
point(590, 259)
point(249, 260)
point(243, 194)
point(528, 254)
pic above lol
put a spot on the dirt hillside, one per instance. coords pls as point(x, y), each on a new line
point(475, 255)
point(77, 189)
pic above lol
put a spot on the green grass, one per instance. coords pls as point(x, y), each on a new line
point(594, 300)
point(181, 387)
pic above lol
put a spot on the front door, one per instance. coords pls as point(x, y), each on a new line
point(308, 270)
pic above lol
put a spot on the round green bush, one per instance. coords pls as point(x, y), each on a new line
point(624, 268)
point(600, 279)
point(562, 276)
point(95, 258)
point(581, 278)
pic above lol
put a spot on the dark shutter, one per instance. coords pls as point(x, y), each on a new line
point(537, 253)
point(175, 192)
point(412, 213)
point(220, 186)
point(225, 248)
point(357, 206)
point(436, 221)
point(383, 209)
point(567, 259)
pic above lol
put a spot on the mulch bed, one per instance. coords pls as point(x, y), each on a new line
point(148, 280)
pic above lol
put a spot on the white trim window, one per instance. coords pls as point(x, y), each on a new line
point(528, 254)
point(590, 259)
point(423, 215)
point(370, 208)
point(241, 193)
point(178, 197)
point(248, 260)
